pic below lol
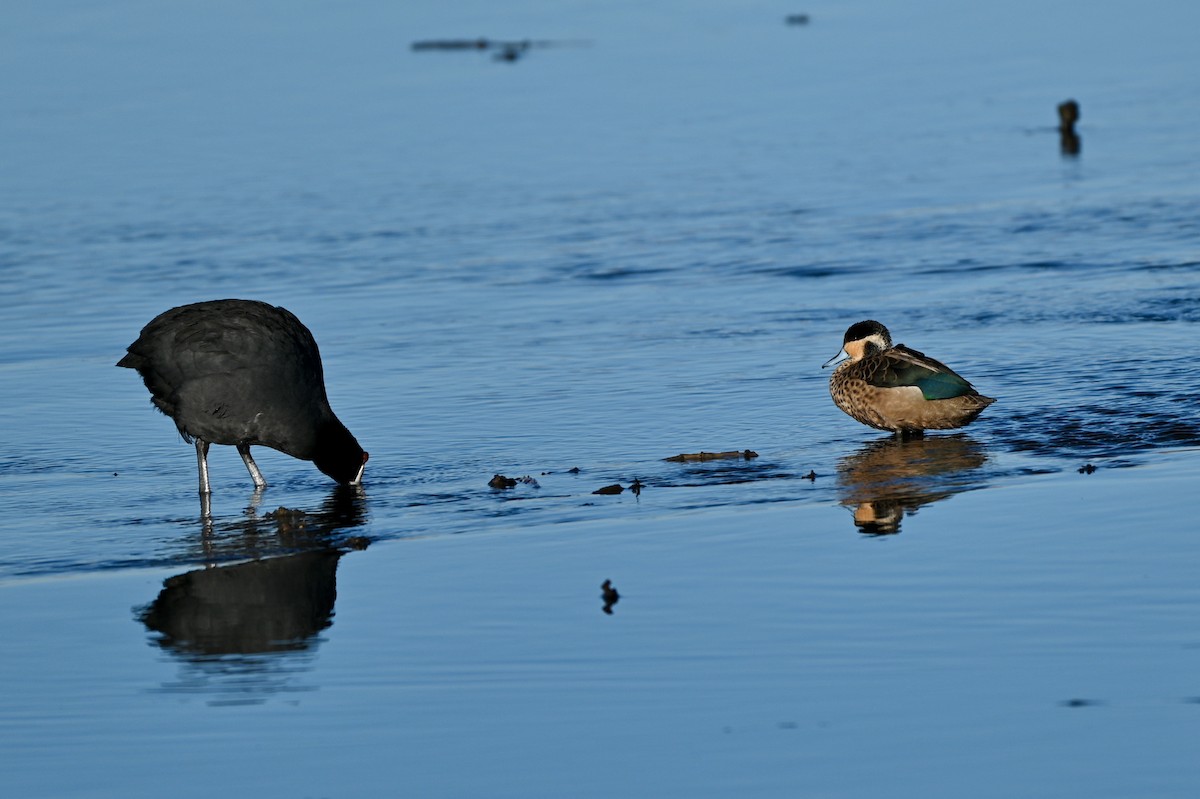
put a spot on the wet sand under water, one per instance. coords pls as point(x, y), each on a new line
point(754, 651)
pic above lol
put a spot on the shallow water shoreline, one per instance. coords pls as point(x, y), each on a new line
point(754, 639)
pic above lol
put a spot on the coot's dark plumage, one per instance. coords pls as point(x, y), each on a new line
point(244, 373)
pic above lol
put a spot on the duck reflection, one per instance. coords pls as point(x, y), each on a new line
point(242, 631)
point(891, 477)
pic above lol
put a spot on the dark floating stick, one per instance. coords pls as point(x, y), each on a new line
point(452, 44)
point(503, 50)
point(746, 454)
point(615, 488)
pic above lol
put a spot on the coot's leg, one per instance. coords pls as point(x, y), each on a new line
point(255, 474)
point(202, 464)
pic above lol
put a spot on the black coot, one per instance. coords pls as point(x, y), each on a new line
point(243, 372)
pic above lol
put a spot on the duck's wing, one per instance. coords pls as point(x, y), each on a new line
point(900, 366)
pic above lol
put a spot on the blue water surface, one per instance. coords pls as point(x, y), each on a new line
point(640, 238)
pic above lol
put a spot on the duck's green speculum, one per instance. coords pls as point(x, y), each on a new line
point(893, 387)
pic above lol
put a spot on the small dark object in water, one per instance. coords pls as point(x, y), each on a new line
point(358, 542)
point(811, 476)
point(452, 44)
point(504, 50)
point(1068, 115)
point(636, 487)
point(573, 470)
point(288, 520)
point(746, 454)
point(284, 514)
point(1080, 703)
point(608, 592)
point(500, 481)
point(244, 373)
point(797, 19)
point(1087, 468)
point(615, 488)
point(511, 51)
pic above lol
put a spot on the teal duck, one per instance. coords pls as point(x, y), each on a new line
point(892, 387)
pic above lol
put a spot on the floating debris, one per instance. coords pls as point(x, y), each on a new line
point(452, 44)
point(501, 50)
point(1080, 703)
point(500, 481)
point(615, 488)
point(511, 51)
point(636, 487)
point(811, 476)
point(608, 592)
point(573, 470)
point(1087, 468)
point(745, 454)
point(797, 19)
point(1068, 115)
point(288, 519)
point(284, 513)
